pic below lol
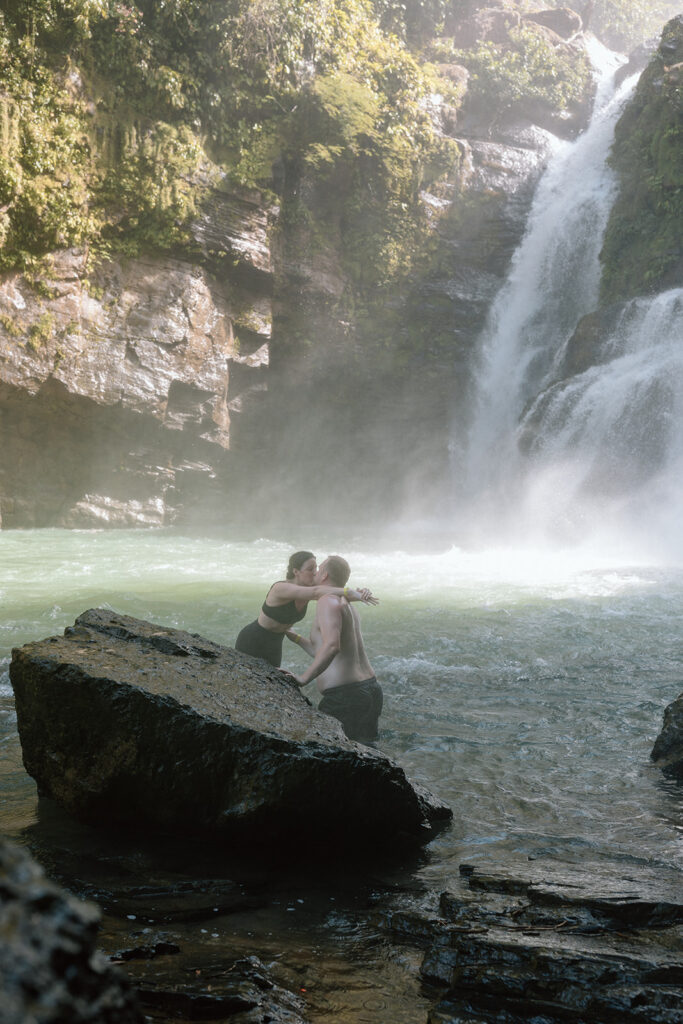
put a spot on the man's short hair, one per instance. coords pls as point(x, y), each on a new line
point(338, 570)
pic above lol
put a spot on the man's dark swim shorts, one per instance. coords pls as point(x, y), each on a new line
point(357, 706)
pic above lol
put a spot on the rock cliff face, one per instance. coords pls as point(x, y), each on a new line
point(176, 390)
point(121, 390)
point(643, 251)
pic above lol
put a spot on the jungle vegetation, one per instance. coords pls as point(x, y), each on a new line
point(116, 116)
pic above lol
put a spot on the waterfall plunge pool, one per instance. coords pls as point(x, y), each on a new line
point(524, 687)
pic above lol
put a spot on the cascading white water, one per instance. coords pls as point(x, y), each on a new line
point(607, 449)
point(597, 438)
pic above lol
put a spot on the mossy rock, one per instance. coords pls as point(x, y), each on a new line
point(643, 248)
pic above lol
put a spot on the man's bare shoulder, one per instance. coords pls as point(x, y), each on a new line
point(330, 604)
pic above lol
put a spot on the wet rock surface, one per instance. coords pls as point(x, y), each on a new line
point(667, 752)
point(124, 722)
point(191, 923)
point(240, 990)
point(49, 967)
point(588, 943)
point(204, 932)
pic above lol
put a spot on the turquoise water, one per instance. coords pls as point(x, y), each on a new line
point(525, 688)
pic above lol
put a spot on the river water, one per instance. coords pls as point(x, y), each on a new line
point(524, 687)
point(524, 683)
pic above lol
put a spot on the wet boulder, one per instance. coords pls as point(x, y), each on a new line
point(50, 970)
point(124, 722)
point(667, 752)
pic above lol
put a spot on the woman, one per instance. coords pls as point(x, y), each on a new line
point(286, 603)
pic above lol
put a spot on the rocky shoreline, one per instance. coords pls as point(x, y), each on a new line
point(170, 927)
point(587, 942)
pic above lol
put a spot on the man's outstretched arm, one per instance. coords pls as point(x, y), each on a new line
point(330, 624)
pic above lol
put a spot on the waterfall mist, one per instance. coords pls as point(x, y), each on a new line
point(561, 444)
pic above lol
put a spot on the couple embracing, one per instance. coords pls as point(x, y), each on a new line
point(345, 678)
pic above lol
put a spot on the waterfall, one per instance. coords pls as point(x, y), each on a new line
point(591, 442)
point(606, 448)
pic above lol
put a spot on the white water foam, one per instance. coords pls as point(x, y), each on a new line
point(602, 470)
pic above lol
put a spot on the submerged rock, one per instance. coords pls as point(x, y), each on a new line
point(241, 990)
point(667, 752)
point(49, 968)
point(126, 722)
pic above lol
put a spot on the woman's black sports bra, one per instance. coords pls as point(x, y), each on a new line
point(287, 614)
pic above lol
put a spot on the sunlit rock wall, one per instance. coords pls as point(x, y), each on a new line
point(122, 389)
point(260, 381)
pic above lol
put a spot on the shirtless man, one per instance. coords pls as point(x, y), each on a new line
point(346, 681)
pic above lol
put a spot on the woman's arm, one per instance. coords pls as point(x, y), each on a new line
point(302, 641)
point(285, 591)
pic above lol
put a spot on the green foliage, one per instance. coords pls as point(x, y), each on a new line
point(527, 70)
point(73, 172)
point(44, 157)
point(116, 154)
point(117, 115)
point(10, 326)
point(414, 20)
point(343, 112)
point(153, 188)
point(642, 250)
point(41, 331)
point(623, 24)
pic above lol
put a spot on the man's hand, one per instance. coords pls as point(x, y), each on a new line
point(361, 594)
point(292, 680)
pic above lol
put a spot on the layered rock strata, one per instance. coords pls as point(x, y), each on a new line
point(122, 388)
point(122, 721)
point(590, 943)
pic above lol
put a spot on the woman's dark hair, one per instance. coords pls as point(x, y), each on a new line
point(296, 561)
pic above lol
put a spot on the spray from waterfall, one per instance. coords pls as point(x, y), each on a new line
point(589, 441)
point(606, 449)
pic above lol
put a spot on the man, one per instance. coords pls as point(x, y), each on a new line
point(346, 681)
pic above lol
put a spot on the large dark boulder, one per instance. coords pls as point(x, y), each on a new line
point(50, 971)
point(667, 752)
point(123, 721)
